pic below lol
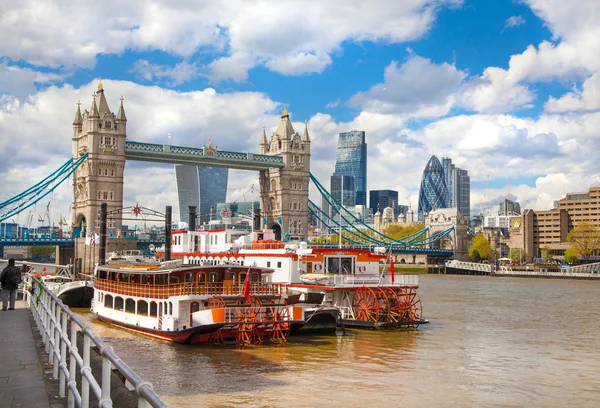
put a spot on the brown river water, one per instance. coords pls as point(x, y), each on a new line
point(491, 342)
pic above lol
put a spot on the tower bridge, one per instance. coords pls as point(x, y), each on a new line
point(100, 149)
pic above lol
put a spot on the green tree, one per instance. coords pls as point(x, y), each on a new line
point(570, 256)
point(474, 256)
point(545, 252)
point(584, 239)
point(517, 254)
point(42, 251)
point(481, 245)
point(397, 231)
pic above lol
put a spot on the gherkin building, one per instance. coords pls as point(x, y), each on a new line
point(433, 193)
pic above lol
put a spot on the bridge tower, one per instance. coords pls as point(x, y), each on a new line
point(444, 218)
point(284, 191)
point(99, 179)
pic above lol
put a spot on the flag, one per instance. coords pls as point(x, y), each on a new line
point(96, 239)
point(170, 135)
point(247, 286)
point(392, 267)
point(44, 270)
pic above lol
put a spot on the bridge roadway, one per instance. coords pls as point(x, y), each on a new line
point(23, 382)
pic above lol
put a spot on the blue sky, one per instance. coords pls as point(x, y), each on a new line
point(505, 88)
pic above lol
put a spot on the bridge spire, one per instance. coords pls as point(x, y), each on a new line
point(264, 145)
point(78, 120)
point(305, 137)
point(121, 114)
point(102, 104)
point(94, 108)
point(285, 113)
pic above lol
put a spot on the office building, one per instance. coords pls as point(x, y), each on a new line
point(535, 230)
point(202, 187)
point(458, 185)
point(433, 193)
point(343, 190)
point(380, 199)
point(352, 161)
point(508, 207)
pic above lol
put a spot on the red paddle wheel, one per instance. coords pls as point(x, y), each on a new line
point(370, 304)
point(280, 329)
point(410, 303)
point(248, 316)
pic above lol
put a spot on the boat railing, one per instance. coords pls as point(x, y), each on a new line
point(260, 314)
point(165, 291)
point(403, 280)
point(59, 328)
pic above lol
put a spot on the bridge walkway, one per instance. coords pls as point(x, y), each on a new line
point(22, 379)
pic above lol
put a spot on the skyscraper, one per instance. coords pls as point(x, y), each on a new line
point(433, 193)
point(202, 187)
point(352, 161)
point(213, 189)
point(343, 190)
point(458, 184)
point(380, 199)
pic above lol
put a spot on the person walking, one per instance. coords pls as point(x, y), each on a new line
point(10, 280)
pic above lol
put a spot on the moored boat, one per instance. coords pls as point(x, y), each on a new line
point(332, 285)
point(195, 303)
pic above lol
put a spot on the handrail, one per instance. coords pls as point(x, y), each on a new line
point(60, 342)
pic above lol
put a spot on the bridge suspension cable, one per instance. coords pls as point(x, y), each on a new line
point(32, 195)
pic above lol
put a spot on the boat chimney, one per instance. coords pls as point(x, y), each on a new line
point(192, 218)
point(168, 233)
point(102, 251)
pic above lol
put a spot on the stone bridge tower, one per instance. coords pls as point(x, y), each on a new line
point(284, 191)
point(100, 178)
point(442, 219)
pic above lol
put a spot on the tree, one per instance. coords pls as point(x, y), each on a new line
point(397, 231)
point(570, 256)
point(584, 239)
point(517, 254)
point(474, 256)
point(42, 251)
point(481, 245)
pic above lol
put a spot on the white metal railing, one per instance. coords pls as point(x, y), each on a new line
point(564, 273)
point(59, 326)
point(587, 268)
point(36, 267)
point(469, 266)
point(353, 281)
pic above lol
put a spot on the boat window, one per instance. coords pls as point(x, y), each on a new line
point(268, 264)
point(170, 308)
point(142, 308)
point(254, 277)
point(279, 264)
point(101, 274)
point(118, 303)
point(195, 306)
point(153, 309)
point(342, 265)
point(130, 306)
point(188, 277)
point(213, 277)
point(202, 277)
point(164, 308)
point(108, 301)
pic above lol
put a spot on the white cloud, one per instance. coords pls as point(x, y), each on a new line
point(514, 21)
point(289, 37)
point(21, 82)
point(234, 67)
point(417, 88)
point(180, 73)
point(587, 99)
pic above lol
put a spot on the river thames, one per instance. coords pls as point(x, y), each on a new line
point(491, 342)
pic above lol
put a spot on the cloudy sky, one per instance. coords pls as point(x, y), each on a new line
point(506, 88)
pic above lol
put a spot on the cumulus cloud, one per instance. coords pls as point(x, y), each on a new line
point(585, 99)
point(418, 87)
point(21, 82)
point(288, 37)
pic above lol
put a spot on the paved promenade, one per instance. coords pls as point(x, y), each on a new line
point(23, 382)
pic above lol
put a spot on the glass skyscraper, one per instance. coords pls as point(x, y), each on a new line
point(352, 161)
point(202, 187)
point(343, 191)
point(458, 184)
point(379, 199)
point(433, 193)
